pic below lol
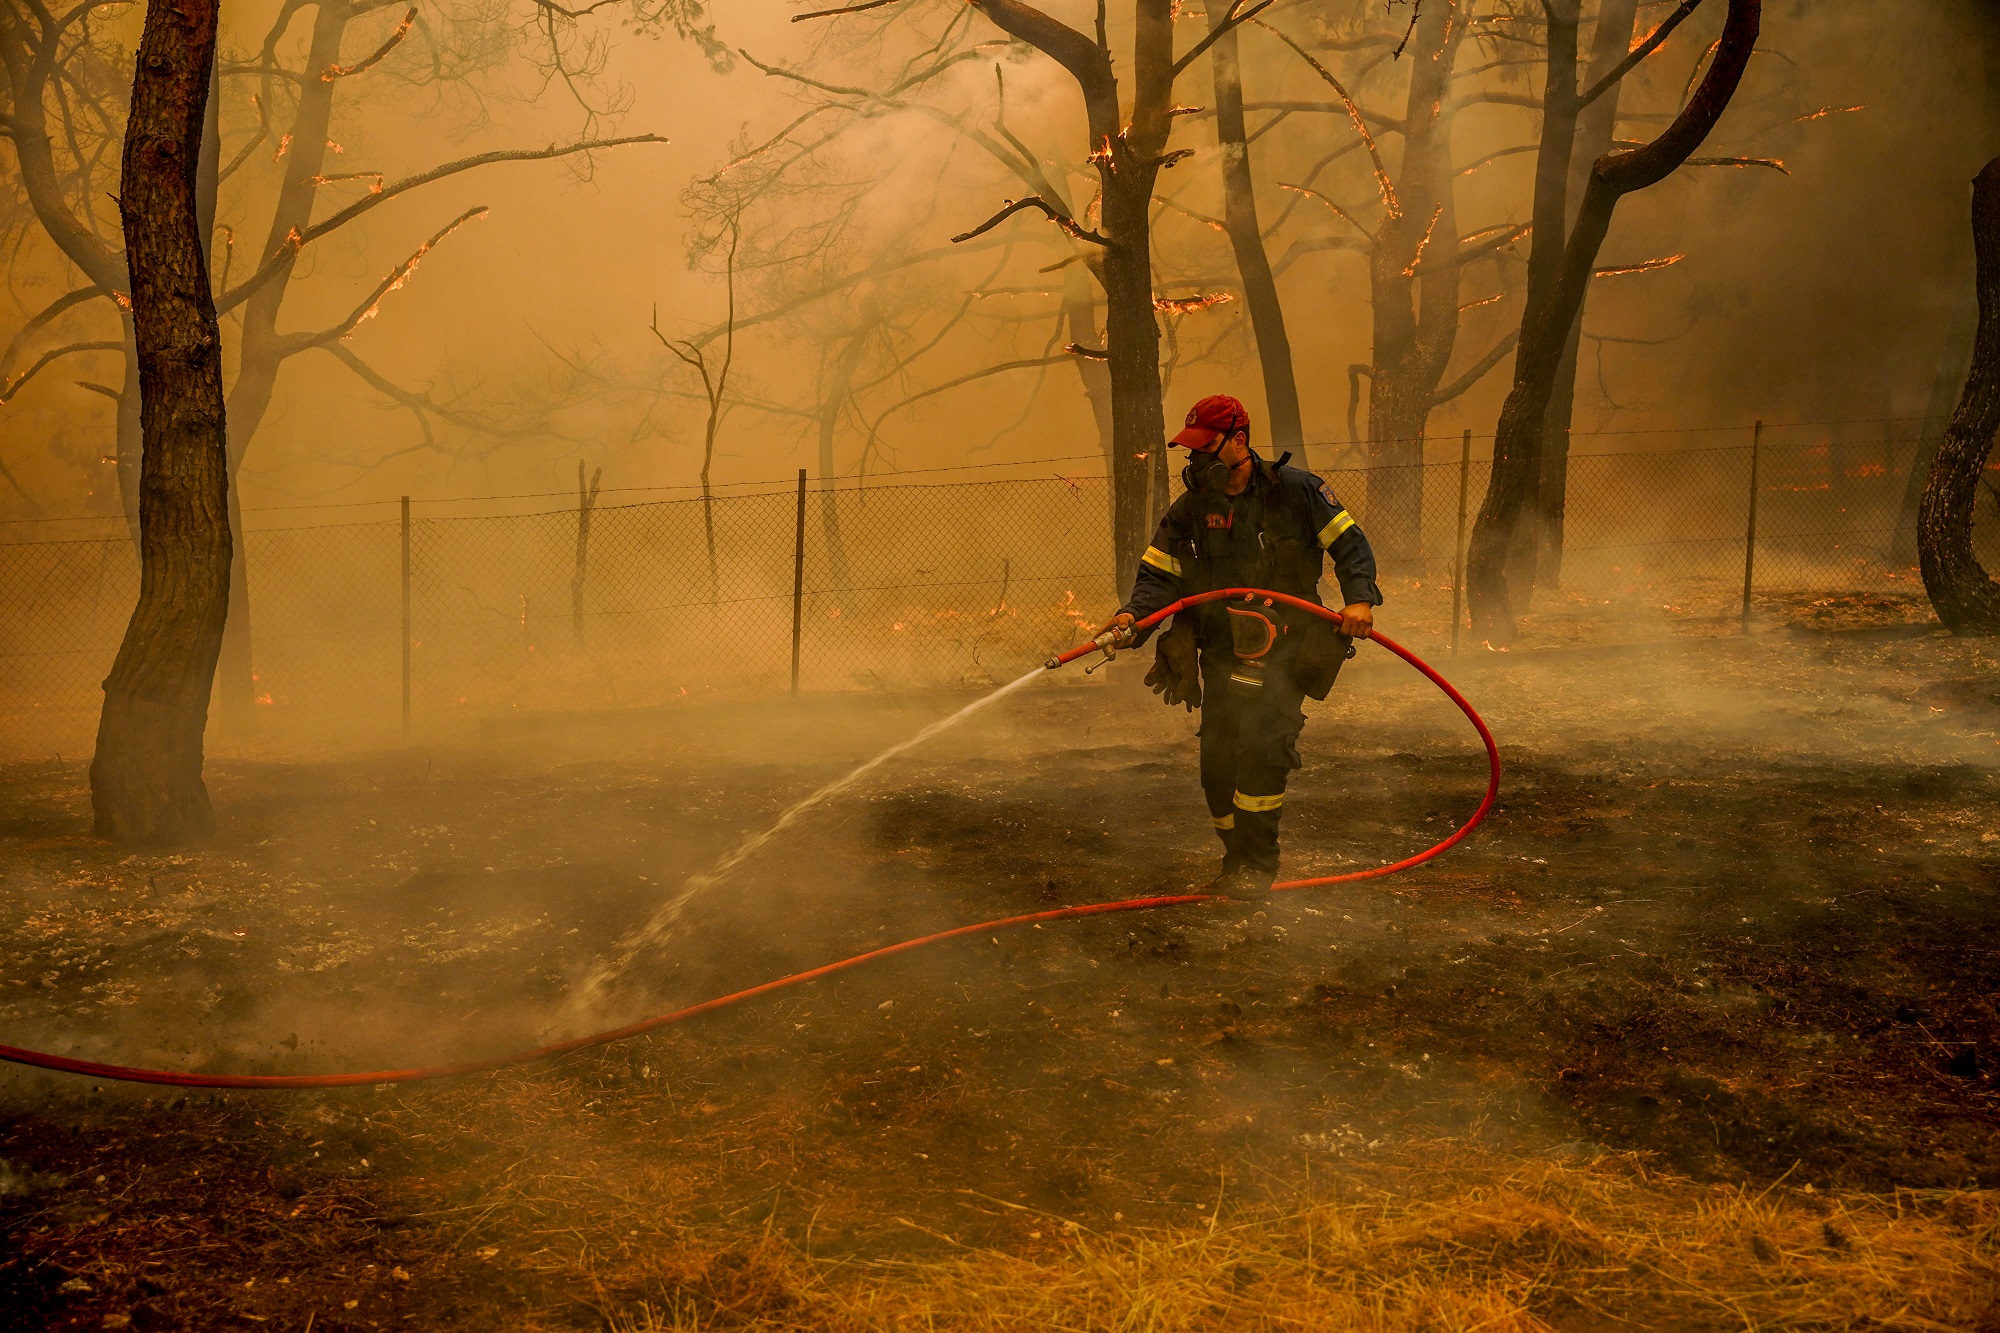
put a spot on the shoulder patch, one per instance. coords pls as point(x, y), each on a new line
point(1326, 494)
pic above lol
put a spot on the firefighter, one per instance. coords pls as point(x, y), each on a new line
point(1245, 522)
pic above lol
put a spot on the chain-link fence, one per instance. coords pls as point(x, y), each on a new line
point(913, 586)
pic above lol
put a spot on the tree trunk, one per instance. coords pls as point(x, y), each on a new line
point(831, 407)
point(262, 349)
point(1946, 382)
point(146, 779)
point(1413, 280)
point(1127, 157)
point(1246, 237)
point(1966, 599)
point(1596, 128)
point(1502, 540)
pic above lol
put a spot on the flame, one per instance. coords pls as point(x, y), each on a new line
point(1826, 111)
point(284, 145)
point(1067, 609)
point(1646, 266)
point(1101, 155)
point(1497, 296)
point(334, 146)
point(265, 699)
point(1189, 304)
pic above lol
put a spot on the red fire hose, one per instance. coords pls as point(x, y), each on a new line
point(183, 1079)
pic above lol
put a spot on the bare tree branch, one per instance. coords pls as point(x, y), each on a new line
point(1054, 214)
point(20, 382)
point(848, 9)
point(422, 405)
point(1235, 20)
point(936, 389)
point(41, 320)
point(1477, 370)
point(276, 263)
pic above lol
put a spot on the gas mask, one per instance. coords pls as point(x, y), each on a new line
point(1206, 472)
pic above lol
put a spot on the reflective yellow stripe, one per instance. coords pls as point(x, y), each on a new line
point(1254, 803)
point(1335, 526)
point(1228, 821)
point(1161, 561)
point(1254, 682)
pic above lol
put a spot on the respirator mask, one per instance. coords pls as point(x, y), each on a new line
point(1206, 472)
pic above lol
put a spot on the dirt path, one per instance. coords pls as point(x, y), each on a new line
point(1736, 913)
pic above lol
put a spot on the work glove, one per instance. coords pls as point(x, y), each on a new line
point(1322, 651)
point(1176, 671)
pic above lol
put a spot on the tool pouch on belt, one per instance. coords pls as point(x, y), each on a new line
point(1322, 651)
point(1176, 671)
point(1252, 635)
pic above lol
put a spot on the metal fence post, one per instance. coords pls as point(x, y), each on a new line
point(798, 580)
point(406, 616)
point(1750, 530)
point(1458, 546)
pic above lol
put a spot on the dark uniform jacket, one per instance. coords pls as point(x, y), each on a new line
point(1275, 535)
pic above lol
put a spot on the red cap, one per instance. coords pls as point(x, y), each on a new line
point(1216, 415)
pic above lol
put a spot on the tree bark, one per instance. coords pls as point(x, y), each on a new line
point(146, 778)
point(1967, 600)
point(1596, 128)
point(1502, 542)
point(1246, 237)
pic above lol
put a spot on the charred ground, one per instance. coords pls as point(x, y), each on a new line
point(1733, 913)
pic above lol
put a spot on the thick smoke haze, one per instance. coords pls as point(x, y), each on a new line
point(1835, 290)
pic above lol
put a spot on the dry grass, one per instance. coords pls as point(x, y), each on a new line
point(1543, 1245)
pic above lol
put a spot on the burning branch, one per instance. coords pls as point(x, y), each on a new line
point(1423, 243)
point(397, 277)
point(1497, 238)
point(1826, 111)
point(375, 57)
point(1054, 214)
point(1187, 305)
point(1087, 353)
point(1643, 266)
point(1650, 44)
point(1382, 181)
point(1774, 163)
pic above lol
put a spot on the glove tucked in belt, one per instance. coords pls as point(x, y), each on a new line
point(1323, 650)
point(1176, 672)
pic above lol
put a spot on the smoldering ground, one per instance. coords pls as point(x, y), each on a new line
point(1729, 916)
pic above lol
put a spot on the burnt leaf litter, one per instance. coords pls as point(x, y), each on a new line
point(1735, 913)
